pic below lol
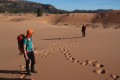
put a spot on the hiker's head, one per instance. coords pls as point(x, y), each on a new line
point(30, 32)
point(84, 24)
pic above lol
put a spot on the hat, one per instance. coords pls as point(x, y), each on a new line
point(30, 32)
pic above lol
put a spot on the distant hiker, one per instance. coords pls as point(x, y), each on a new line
point(83, 30)
point(29, 52)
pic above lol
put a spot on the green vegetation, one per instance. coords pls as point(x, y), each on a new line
point(39, 12)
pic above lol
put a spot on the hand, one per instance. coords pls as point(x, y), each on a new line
point(26, 58)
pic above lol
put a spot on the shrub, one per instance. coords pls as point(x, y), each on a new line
point(39, 12)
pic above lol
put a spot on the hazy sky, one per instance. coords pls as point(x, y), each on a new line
point(82, 4)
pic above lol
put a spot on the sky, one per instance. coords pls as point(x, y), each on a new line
point(71, 5)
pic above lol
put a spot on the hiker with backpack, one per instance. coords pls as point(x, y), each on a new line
point(29, 52)
point(25, 46)
point(83, 30)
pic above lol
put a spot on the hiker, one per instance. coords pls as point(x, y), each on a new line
point(83, 30)
point(29, 52)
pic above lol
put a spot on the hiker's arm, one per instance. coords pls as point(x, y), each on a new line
point(32, 46)
point(25, 52)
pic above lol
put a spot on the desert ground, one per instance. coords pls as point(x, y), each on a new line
point(60, 50)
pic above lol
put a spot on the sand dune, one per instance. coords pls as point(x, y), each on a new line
point(105, 19)
point(108, 17)
point(61, 53)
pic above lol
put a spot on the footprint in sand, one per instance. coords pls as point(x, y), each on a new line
point(100, 71)
point(46, 53)
point(76, 61)
point(25, 77)
point(62, 48)
point(22, 67)
point(37, 52)
point(83, 63)
point(114, 76)
point(65, 51)
point(88, 62)
point(43, 57)
point(91, 61)
point(73, 60)
point(22, 76)
point(98, 65)
point(94, 63)
point(67, 56)
point(51, 50)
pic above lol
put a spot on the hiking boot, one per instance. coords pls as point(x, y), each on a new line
point(33, 71)
point(28, 74)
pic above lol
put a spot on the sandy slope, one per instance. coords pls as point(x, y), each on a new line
point(61, 52)
point(108, 17)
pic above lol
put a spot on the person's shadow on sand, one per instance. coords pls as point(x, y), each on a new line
point(13, 79)
point(61, 38)
point(11, 72)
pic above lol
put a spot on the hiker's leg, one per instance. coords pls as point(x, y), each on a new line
point(27, 64)
point(32, 56)
point(84, 33)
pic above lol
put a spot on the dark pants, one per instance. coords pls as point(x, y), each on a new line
point(83, 33)
point(31, 57)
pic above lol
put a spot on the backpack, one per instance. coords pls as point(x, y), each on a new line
point(20, 40)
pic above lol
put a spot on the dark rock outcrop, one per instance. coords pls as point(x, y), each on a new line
point(23, 6)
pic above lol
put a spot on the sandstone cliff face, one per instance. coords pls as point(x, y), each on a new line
point(22, 6)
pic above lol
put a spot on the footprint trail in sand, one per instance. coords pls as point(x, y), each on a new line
point(99, 68)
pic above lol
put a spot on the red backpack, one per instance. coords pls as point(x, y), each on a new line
point(20, 40)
